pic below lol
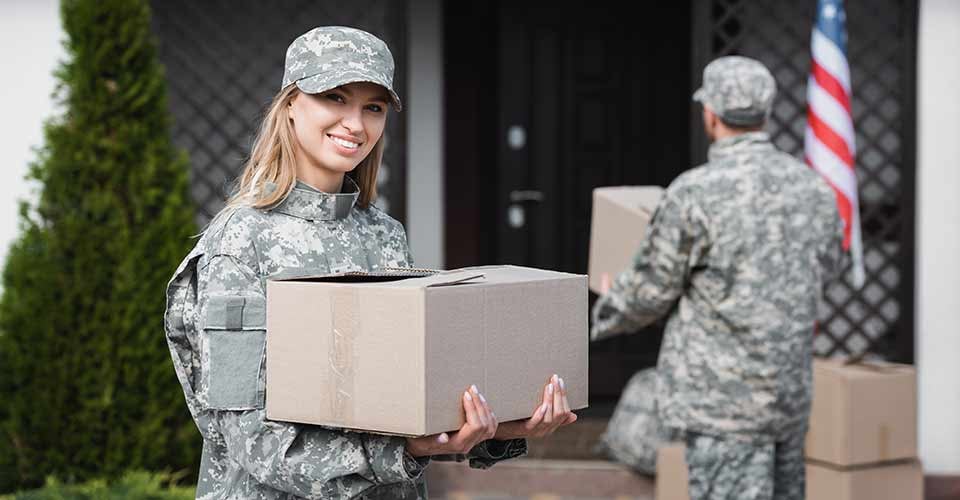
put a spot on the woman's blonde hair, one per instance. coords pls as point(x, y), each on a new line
point(272, 161)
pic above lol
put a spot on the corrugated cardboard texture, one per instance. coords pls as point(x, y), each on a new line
point(619, 222)
point(673, 478)
point(901, 481)
point(508, 334)
point(339, 358)
point(395, 357)
point(862, 414)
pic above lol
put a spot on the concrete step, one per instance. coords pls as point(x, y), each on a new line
point(541, 479)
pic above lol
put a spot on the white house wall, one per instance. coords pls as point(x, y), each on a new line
point(30, 36)
point(425, 133)
point(938, 235)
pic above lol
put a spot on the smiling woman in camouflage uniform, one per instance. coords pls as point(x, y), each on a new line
point(296, 209)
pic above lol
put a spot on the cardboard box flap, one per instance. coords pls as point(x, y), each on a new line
point(443, 278)
point(405, 277)
point(380, 275)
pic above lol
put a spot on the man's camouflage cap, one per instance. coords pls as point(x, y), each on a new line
point(738, 89)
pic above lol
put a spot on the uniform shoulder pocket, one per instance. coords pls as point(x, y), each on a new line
point(233, 352)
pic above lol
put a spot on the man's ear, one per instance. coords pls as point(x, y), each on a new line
point(710, 116)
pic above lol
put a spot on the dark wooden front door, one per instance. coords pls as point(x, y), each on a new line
point(587, 97)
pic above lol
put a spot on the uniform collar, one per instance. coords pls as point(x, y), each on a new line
point(308, 202)
point(750, 142)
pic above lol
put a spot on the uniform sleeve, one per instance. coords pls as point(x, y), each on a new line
point(487, 453)
point(832, 256)
point(396, 250)
point(661, 268)
point(303, 460)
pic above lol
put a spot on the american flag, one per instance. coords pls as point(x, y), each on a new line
point(829, 140)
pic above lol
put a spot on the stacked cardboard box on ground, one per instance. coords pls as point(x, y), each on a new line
point(862, 442)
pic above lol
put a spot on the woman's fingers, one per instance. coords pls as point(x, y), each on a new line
point(548, 413)
point(559, 414)
point(486, 414)
point(478, 405)
point(470, 411)
point(537, 419)
point(555, 416)
point(563, 395)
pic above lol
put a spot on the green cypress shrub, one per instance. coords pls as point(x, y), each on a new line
point(87, 388)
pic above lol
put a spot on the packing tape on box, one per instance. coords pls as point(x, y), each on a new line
point(341, 363)
point(884, 441)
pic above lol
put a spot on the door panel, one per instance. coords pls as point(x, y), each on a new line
point(579, 107)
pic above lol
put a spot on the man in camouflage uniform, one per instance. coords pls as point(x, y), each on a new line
point(737, 253)
point(215, 321)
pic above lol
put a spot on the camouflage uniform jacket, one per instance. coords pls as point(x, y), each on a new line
point(215, 328)
point(737, 253)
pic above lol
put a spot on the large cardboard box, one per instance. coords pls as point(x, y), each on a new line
point(619, 223)
point(862, 413)
point(673, 480)
point(393, 354)
point(896, 481)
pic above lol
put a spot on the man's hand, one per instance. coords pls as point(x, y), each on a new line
point(480, 425)
point(605, 283)
point(552, 413)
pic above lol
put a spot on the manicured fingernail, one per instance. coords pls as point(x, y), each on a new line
point(468, 396)
point(474, 389)
point(555, 378)
point(550, 388)
point(562, 386)
point(483, 398)
point(442, 438)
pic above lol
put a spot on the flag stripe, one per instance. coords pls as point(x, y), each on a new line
point(831, 166)
point(843, 207)
point(831, 112)
point(831, 58)
point(830, 138)
point(831, 85)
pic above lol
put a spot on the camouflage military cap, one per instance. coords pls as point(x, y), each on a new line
point(738, 89)
point(330, 56)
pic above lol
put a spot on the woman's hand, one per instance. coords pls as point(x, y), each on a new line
point(481, 425)
point(553, 413)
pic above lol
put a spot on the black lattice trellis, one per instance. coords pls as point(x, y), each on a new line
point(224, 62)
point(881, 49)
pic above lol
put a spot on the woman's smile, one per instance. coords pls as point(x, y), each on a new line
point(345, 146)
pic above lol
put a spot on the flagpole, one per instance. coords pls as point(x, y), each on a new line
point(856, 249)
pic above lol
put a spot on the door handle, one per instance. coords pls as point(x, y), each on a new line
point(516, 213)
point(526, 195)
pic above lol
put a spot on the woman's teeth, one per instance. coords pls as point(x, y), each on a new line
point(345, 143)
